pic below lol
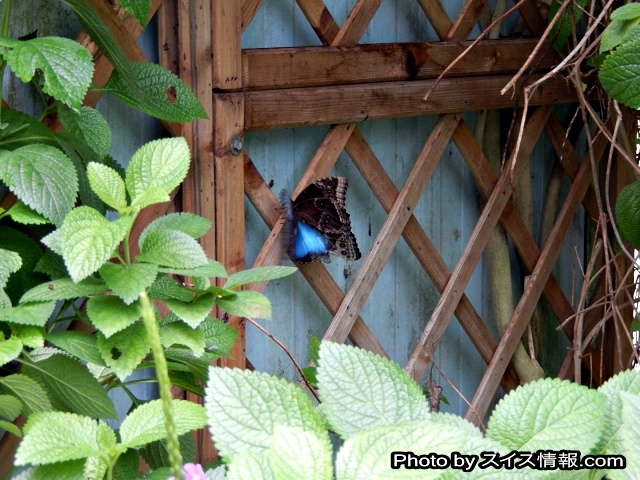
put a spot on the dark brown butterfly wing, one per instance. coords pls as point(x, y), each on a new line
point(322, 205)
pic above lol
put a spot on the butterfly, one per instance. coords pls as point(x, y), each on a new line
point(317, 223)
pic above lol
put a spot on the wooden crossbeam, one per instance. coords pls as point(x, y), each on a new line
point(295, 67)
point(356, 103)
point(437, 324)
point(533, 289)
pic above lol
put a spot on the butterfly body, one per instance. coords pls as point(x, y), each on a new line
point(317, 223)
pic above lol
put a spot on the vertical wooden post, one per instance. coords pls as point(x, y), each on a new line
point(228, 127)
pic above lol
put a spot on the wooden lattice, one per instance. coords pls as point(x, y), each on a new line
point(245, 90)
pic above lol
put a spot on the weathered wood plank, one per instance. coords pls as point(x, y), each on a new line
point(228, 109)
point(320, 19)
point(295, 107)
point(226, 27)
point(249, 9)
point(437, 16)
point(529, 299)
point(270, 68)
point(391, 229)
point(356, 23)
point(437, 324)
point(424, 250)
point(465, 20)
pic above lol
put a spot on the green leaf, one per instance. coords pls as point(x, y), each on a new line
point(367, 454)
point(172, 248)
point(64, 289)
point(166, 288)
point(563, 28)
point(127, 281)
point(69, 470)
point(161, 163)
point(617, 33)
point(150, 196)
point(195, 311)
point(123, 351)
point(628, 212)
point(74, 385)
point(193, 225)
point(11, 428)
point(32, 313)
point(629, 382)
point(629, 435)
point(10, 407)
point(549, 414)
point(163, 95)
point(211, 269)
point(177, 333)
point(10, 349)
point(619, 74)
point(22, 129)
point(88, 124)
point(28, 391)
point(52, 265)
point(30, 252)
point(87, 240)
point(259, 274)
point(157, 456)
point(146, 423)
point(108, 185)
point(20, 213)
point(80, 155)
point(218, 336)
point(65, 64)
point(361, 390)
point(80, 344)
point(138, 8)
point(31, 337)
point(42, 177)
point(630, 11)
point(103, 37)
point(56, 437)
point(246, 303)
point(109, 314)
point(243, 408)
point(250, 465)
point(10, 262)
point(301, 455)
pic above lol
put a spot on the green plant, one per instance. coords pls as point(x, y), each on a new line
point(265, 427)
point(620, 70)
point(95, 251)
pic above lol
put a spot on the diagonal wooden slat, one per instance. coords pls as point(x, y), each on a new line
point(437, 16)
point(466, 20)
point(356, 22)
point(391, 229)
point(437, 324)
point(533, 289)
point(424, 250)
point(511, 220)
point(320, 19)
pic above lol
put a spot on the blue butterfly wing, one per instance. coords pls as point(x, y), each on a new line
point(308, 243)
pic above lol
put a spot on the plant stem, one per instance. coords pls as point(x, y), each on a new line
point(5, 32)
point(173, 447)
